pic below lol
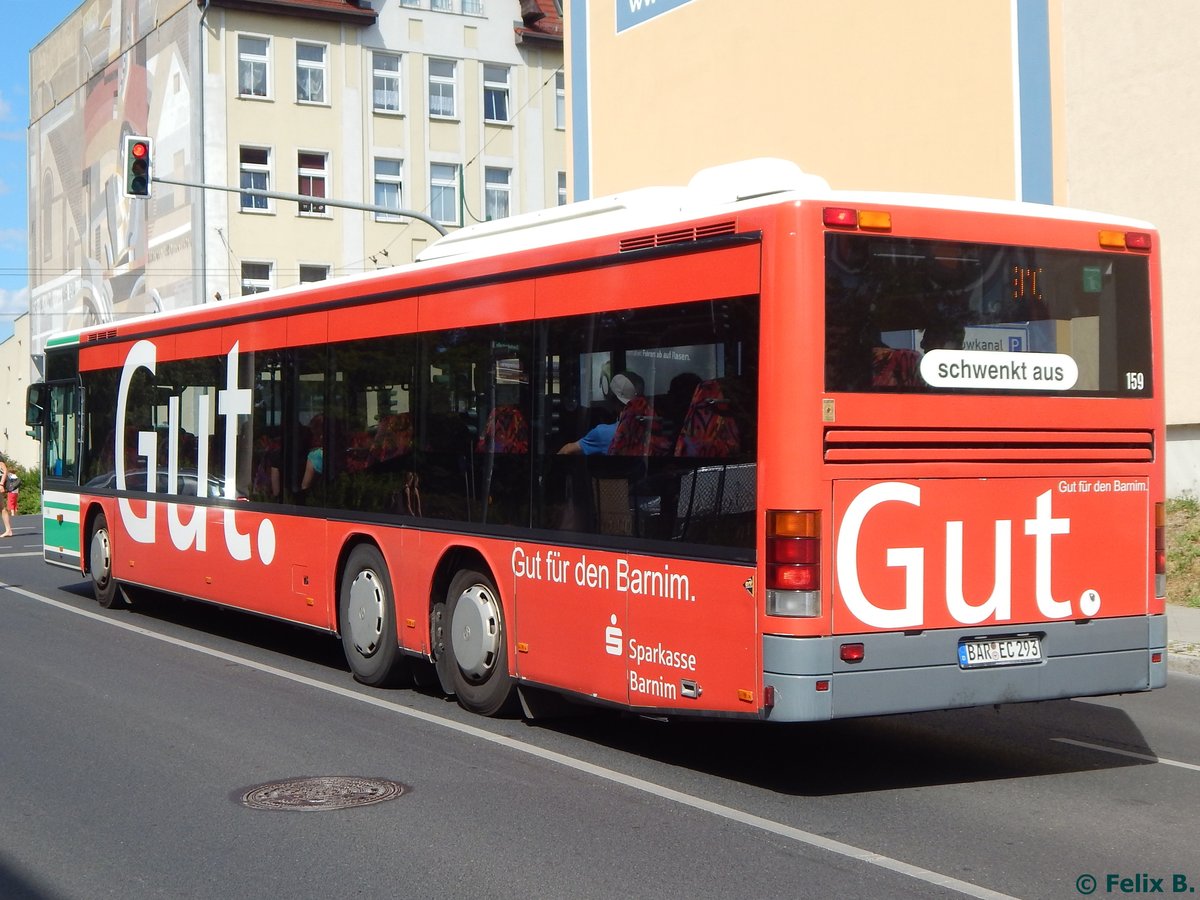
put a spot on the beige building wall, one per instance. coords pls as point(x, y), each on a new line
point(873, 95)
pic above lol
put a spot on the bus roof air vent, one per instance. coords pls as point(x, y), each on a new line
point(102, 335)
point(677, 236)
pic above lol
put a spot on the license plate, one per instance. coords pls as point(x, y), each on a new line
point(1013, 651)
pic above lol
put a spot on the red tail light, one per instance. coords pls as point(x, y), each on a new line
point(840, 217)
point(793, 562)
point(793, 550)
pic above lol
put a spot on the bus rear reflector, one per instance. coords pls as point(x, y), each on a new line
point(1160, 550)
point(852, 653)
point(793, 563)
point(1137, 240)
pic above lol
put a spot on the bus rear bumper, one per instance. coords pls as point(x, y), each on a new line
point(920, 671)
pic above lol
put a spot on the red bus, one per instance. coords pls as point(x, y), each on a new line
point(749, 447)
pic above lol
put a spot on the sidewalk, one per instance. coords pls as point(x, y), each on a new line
point(1183, 639)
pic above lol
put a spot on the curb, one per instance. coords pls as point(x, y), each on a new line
point(1183, 657)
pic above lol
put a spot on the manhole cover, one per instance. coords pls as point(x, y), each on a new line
point(322, 792)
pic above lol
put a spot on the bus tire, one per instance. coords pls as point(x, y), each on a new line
point(100, 565)
point(477, 645)
point(367, 616)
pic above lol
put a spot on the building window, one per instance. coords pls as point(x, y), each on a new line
point(495, 93)
point(254, 64)
point(441, 5)
point(310, 73)
point(312, 168)
point(443, 193)
point(416, 3)
point(388, 188)
point(496, 192)
point(256, 175)
point(560, 100)
point(472, 7)
point(256, 277)
point(562, 188)
point(386, 82)
point(313, 273)
point(441, 87)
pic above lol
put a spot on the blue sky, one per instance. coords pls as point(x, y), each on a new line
point(26, 23)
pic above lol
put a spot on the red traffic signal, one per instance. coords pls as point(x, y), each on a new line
point(137, 166)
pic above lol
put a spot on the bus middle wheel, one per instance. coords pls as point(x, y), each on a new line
point(477, 644)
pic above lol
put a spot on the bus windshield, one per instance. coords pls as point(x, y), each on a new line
point(906, 315)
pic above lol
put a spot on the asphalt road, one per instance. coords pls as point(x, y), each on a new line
point(128, 739)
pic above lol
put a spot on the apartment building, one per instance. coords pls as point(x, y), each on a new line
point(451, 108)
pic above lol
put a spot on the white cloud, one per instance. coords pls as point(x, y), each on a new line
point(5, 108)
point(14, 303)
point(12, 238)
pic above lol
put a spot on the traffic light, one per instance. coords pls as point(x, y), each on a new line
point(137, 166)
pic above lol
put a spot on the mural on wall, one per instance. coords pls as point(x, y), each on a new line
point(114, 68)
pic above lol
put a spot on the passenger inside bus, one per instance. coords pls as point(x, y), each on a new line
point(624, 387)
point(314, 461)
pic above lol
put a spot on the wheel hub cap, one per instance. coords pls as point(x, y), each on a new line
point(365, 612)
point(101, 558)
point(475, 632)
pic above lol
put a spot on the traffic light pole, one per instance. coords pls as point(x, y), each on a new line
point(305, 198)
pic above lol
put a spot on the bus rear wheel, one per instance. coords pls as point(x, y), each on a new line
point(477, 645)
point(367, 615)
point(100, 565)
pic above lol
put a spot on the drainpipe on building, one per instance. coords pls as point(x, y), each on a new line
point(202, 205)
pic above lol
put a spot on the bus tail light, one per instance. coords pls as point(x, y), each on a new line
point(793, 563)
point(848, 217)
point(1126, 240)
point(840, 217)
point(1160, 550)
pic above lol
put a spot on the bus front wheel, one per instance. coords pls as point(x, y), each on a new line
point(477, 645)
point(100, 565)
point(367, 615)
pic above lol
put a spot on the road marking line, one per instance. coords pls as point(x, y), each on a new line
point(4, 555)
point(1144, 756)
point(638, 784)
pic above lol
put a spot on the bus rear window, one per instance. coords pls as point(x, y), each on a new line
point(924, 316)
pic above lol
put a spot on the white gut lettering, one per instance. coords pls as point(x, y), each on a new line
point(1043, 528)
point(185, 534)
point(143, 355)
point(234, 401)
point(998, 607)
point(911, 558)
